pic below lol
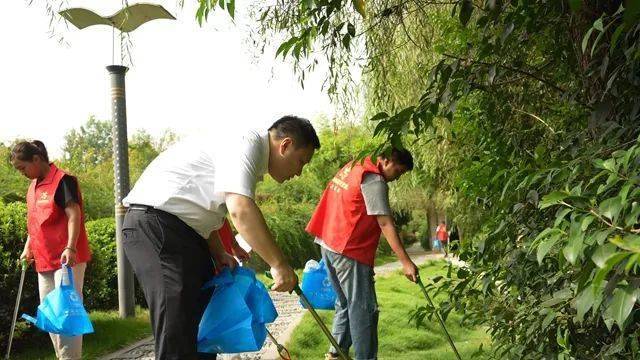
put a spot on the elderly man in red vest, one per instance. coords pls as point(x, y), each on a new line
point(352, 213)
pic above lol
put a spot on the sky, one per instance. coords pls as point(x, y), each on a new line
point(184, 77)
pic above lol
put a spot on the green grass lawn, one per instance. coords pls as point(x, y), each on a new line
point(111, 334)
point(398, 339)
point(382, 259)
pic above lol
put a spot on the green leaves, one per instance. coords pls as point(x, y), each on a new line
point(584, 302)
point(553, 198)
point(550, 237)
point(621, 305)
point(598, 25)
point(558, 297)
point(573, 250)
point(629, 242)
point(585, 40)
point(360, 7)
point(611, 261)
point(285, 46)
point(206, 6)
point(611, 207)
point(602, 254)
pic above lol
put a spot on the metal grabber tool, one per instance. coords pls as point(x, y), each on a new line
point(24, 265)
point(282, 351)
point(426, 295)
point(317, 318)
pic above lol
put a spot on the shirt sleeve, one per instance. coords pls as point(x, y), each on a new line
point(66, 192)
point(376, 194)
point(237, 171)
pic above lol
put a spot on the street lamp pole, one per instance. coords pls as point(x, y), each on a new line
point(126, 287)
point(126, 20)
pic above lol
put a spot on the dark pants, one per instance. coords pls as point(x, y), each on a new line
point(171, 262)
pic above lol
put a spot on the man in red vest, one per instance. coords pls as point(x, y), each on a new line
point(347, 223)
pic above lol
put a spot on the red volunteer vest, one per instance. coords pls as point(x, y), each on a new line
point(47, 224)
point(341, 219)
point(226, 237)
point(441, 231)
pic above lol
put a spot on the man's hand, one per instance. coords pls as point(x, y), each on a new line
point(285, 279)
point(239, 252)
point(410, 270)
point(224, 260)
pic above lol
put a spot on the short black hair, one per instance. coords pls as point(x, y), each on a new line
point(26, 150)
point(400, 157)
point(298, 129)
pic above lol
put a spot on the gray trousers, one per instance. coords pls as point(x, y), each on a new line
point(356, 319)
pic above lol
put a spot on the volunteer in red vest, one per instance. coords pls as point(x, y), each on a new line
point(353, 211)
point(443, 237)
point(55, 225)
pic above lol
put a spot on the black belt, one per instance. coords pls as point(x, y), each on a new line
point(141, 207)
point(151, 209)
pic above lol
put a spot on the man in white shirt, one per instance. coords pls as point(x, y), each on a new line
point(182, 198)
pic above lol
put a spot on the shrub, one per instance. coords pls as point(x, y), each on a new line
point(101, 278)
point(12, 238)
point(287, 222)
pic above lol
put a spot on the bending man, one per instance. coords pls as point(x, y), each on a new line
point(178, 202)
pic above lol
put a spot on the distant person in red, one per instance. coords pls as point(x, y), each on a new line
point(443, 237)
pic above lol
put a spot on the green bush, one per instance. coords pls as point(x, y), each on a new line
point(12, 238)
point(287, 222)
point(101, 278)
point(424, 234)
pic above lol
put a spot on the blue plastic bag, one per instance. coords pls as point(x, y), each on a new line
point(234, 320)
point(437, 245)
point(61, 311)
point(317, 287)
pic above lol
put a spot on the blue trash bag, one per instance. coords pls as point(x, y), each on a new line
point(61, 311)
point(234, 320)
point(437, 245)
point(317, 287)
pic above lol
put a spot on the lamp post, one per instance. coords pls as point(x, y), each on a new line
point(126, 20)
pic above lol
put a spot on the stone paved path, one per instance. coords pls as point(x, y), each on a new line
point(290, 313)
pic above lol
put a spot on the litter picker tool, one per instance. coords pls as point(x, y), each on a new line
point(23, 264)
point(282, 351)
point(426, 295)
point(317, 318)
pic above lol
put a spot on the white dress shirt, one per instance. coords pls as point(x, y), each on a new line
point(191, 178)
